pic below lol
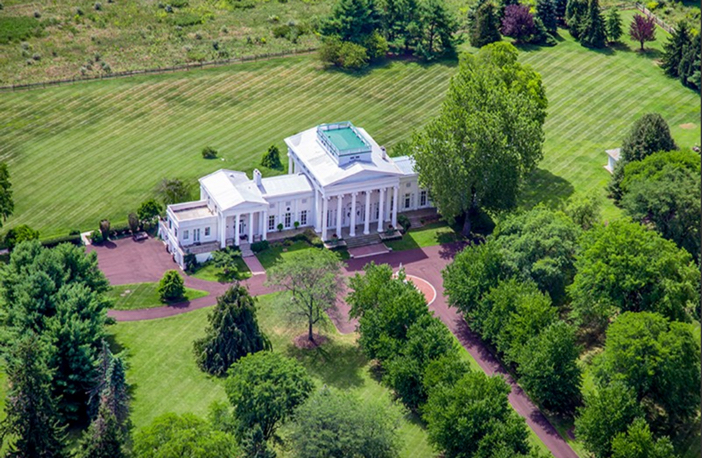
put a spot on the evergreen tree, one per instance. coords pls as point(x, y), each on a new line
point(675, 48)
point(438, 26)
point(271, 158)
point(575, 16)
point(232, 333)
point(7, 204)
point(593, 34)
point(400, 24)
point(484, 25)
point(32, 416)
point(103, 439)
point(613, 25)
point(352, 20)
point(560, 6)
point(546, 12)
point(689, 68)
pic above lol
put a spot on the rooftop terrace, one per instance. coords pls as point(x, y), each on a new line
point(342, 139)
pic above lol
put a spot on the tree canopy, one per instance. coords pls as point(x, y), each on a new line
point(484, 24)
point(173, 191)
point(642, 29)
point(638, 442)
point(592, 33)
point(7, 203)
point(335, 424)
point(626, 267)
point(232, 332)
point(487, 137)
point(264, 389)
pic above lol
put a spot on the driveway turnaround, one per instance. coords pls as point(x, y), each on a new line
point(126, 261)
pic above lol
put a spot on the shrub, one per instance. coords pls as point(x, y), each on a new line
point(280, 227)
point(376, 46)
point(185, 19)
point(74, 239)
point(133, 220)
point(296, 224)
point(18, 28)
point(79, 12)
point(190, 261)
point(36, 56)
point(105, 228)
point(209, 152)
point(271, 158)
point(347, 55)
point(96, 237)
point(98, 6)
point(651, 6)
point(19, 234)
point(178, 3)
point(120, 230)
point(257, 247)
point(171, 286)
point(74, 232)
point(312, 238)
point(37, 14)
point(287, 242)
point(404, 221)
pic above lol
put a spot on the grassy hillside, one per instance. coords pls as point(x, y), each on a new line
point(95, 150)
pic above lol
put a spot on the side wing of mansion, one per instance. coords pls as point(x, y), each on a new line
point(340, 182)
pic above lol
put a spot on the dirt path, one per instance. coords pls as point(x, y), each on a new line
point(146, 261)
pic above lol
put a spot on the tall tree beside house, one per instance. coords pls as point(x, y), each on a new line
point(439, 27)
point(642, 29)
point(674, 49)
point(271, 158)
point(546, 12)
point(613, 25)
point(314, 280)
point(173, 191)
point(689, 69)
point(495, 104)
point(148, 212)
point(592, 34)
point(7, 203)
point(649, 134)
point(33, 422)
point(232, 332)
point(484, 24)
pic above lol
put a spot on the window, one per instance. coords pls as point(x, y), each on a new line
point(303, 218)
point(423, 198)
point(170, 224)
point(407, 200)
point(377, 210)
point(185, 234)
point(288, 218)
point(175, 231)
point(207, 232)
point(271, 222)
point(409, 184)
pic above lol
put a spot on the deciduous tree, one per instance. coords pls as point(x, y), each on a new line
point(148, 211)
point(642, 29)
point(173, 191)
point(232, 332)
point(314, 279)
point(585, 211)
point(19, 234)
point(638, 442)
point(518, 23)
point(473, 419)
point(264, 389)
point(626, 267)
point(494, 104)
point(338, 424)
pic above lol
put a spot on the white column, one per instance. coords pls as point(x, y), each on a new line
point(325, 207)
point(395, 204)
point(222, 231)
point(339, 200)
point(381, 203)
point(251, 227)
point(352, 229)
point(366, 223)
point(264, 226)
point(290, 163)
point(236, 229)
point(317, 212)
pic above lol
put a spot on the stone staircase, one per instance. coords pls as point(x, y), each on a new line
point(245, 248)
point(362, 240)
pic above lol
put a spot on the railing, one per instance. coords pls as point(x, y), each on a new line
point(194, 65)
point(648, 13)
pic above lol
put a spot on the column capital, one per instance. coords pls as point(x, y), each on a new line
point(355, 193)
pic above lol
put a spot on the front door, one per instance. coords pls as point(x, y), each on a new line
point(242, 226)
point(196, 235)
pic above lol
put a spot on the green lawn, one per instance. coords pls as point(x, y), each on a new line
point(208, 271)
point(432, 234)
point(144, 296)
point(277, 252)
point(69, 147)
point(162, 367)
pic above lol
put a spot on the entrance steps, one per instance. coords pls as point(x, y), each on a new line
point(245, 249)
point(362, 240)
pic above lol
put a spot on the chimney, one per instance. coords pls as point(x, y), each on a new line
point(257, 177)
point(384, 153)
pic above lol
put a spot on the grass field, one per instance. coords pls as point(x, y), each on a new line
point(162, 367)
point(429, 235)
point(208, 271)
point(84, 152)
point(144, 296)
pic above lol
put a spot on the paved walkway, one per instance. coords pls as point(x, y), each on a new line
point(147, 260)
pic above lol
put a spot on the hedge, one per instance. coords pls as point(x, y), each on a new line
point(74, 239)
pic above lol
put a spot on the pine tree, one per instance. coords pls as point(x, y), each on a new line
point(233, 332)
point(271, 158)
point(690, 64)
point(103, 439)
point(546, 12)
point(32, 412)
point(576, 14)
point(613, 25)
point(675, 48)
point(593, 31)
point(484, 25)
point(560, 6)
point(352, 20)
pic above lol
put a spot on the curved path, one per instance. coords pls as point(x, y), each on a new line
point(125, 261)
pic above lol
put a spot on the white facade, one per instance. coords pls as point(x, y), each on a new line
point(612, 159)
point(340, 182)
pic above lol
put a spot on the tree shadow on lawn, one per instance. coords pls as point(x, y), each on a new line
point(544, 187)
point(336, 363)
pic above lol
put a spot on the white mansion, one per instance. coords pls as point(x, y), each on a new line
point(339, 181)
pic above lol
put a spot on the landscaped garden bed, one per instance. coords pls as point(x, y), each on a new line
point(144, 295)
point(210, 272)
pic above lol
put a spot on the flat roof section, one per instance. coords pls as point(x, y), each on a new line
point(343, 139)
point(194, 212)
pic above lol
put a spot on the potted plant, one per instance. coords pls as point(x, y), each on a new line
point(280, 227)
point(296, 224)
